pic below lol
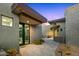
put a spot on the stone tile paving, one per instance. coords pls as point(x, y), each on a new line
point(46, 49)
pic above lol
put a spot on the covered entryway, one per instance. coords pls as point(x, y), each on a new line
point(29, 23)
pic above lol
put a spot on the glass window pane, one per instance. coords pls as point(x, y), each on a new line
point(6, 21)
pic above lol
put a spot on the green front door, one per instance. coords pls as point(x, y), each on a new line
point(24, 34)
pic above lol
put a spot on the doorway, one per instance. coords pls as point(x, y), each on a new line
point(24, 34)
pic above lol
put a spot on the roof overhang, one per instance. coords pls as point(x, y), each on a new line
point(58, 20)
point(25, 11)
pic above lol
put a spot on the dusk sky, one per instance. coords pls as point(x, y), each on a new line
point(51, 11)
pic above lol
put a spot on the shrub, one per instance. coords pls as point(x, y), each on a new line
point(12, 52)
point(38, 41)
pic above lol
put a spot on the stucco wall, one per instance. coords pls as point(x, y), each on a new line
point(62, 26)
point(35, 32)
point(72, 25)
point(9, 36)
point(58, 31)
point(45, 29)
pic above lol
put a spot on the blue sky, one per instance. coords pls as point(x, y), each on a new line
point(51, 11)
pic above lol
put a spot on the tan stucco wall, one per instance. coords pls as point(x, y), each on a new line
point(46, 30)
point(51, 34)
point(9, 36)
point(72, 28)
point(72, 25)
point(57, 33)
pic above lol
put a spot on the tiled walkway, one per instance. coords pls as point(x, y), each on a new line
point(46, 49)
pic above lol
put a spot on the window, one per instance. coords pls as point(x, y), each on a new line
point(6, 21)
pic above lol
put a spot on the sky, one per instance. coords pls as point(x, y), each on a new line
point(51, 11)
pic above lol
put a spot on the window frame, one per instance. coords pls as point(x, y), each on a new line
point(8, 17)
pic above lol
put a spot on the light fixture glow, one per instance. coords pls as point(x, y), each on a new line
point(27, 21)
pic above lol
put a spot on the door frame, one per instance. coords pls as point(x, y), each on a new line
point(23, 35)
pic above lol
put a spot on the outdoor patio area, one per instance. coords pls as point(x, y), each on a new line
point(46, 49)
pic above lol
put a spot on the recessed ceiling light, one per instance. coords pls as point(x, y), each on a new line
point(27, 21)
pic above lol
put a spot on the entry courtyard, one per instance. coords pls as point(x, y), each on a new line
point(46, 49)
